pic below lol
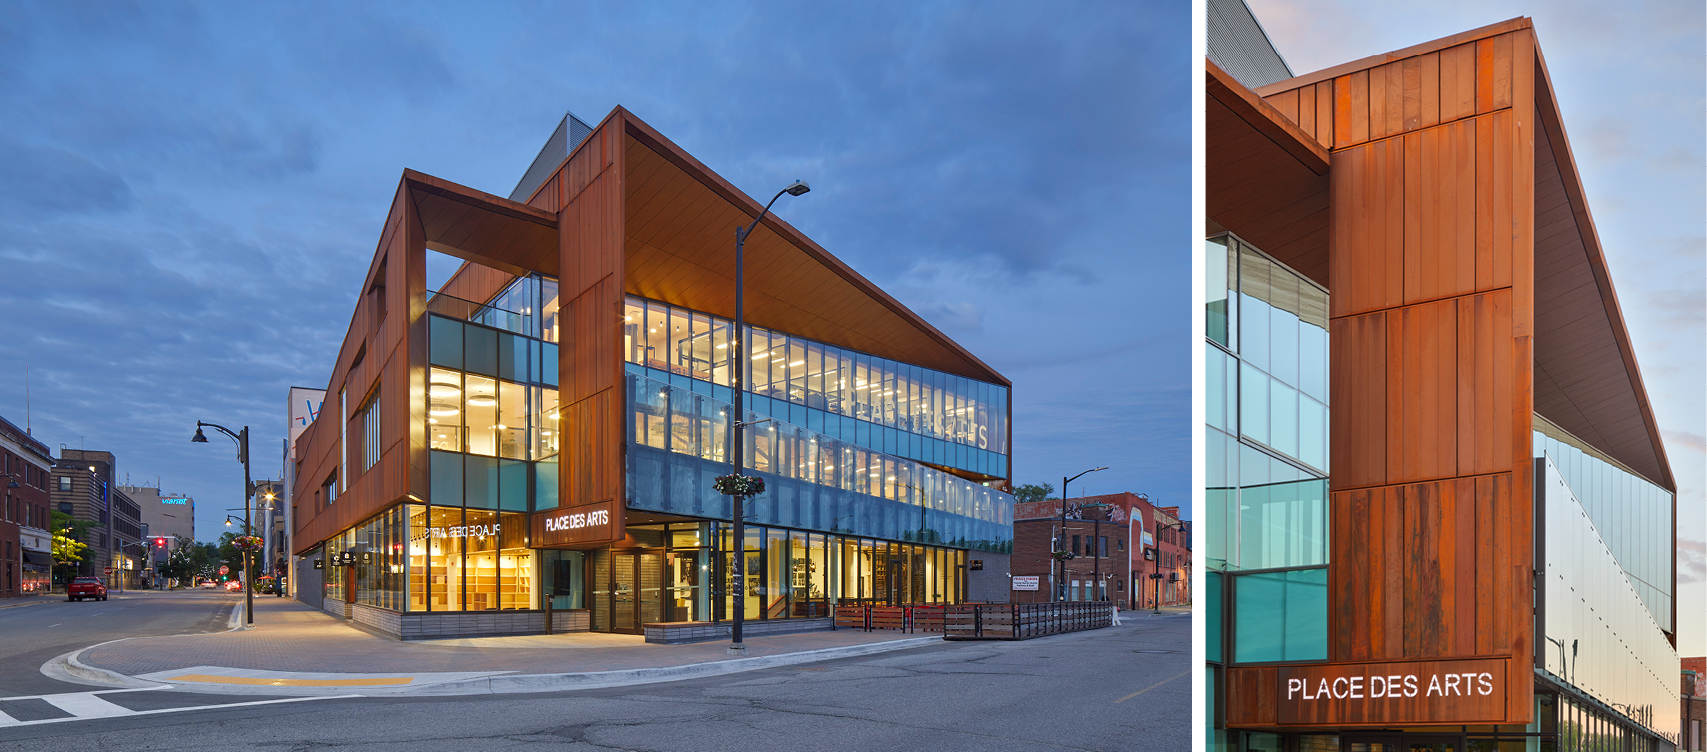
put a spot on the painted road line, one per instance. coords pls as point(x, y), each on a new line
point(1152, 686)
point(86, 705)
point(6, 720)
point(96, 692)
point(185, 709)
point(257, 681)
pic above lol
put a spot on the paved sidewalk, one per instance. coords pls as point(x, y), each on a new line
point(292, 644)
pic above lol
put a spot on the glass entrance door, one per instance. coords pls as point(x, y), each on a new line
point(623, 594)
point(637, 591)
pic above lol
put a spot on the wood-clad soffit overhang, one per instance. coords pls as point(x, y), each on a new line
point(680, 219)
point(1586, 377)
point(481, 228)
point(1266, 178)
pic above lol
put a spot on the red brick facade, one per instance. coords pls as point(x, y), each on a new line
point(1116, 558)
point(24, 461)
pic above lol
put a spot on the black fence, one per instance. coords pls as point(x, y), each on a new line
point(1023, 621)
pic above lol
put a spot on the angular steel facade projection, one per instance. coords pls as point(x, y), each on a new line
point(1482, 394)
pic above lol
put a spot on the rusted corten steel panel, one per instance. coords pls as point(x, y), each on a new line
point(1429, 259)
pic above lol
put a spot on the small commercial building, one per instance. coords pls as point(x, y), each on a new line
point(1113, 547)
point(1439, 514)
point(26, 544)
point(544, 429)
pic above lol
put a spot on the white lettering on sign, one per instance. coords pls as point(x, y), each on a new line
point(1391, 686)
point(464, 531)
point(577, 520)
point(174, 501)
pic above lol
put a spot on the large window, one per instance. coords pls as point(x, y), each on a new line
point(371, 447)
point(1280, 616)
point(886, 405)
point(679, 442)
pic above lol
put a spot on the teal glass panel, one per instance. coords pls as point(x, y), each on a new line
point(1283, 418)
point(1253, 403)
point(1216, 285)
point(1212, 625)
point(480, 350)
point(444, 342)
point(1281, 616)
point(1215, 406)
point(1313, 433)
point(1283, 524)
point(1283, 330)
point(512, 485)
point(545, 484)
point(1313, 358)
point(480, 482)
point(446, 470)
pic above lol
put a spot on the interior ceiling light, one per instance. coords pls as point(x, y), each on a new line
point(432, 420)
point(443, 411)
point(442, 390)
point(501, 427)
point(760, 355)
point(482, 401)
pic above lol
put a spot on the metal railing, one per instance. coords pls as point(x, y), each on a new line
point(1023, 621)
point(454, 307)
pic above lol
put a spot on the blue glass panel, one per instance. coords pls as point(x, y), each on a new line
point(1313, 361)
point(444, 342)
point(722, 393)
point(512, 351)
point(1281, 616)
point(446, 489)
point(814, 420)
point(480, 350)
point(1283, 418)
point(480, 482)
point(513, 485)
point(1313, 433)
point(1253, 331)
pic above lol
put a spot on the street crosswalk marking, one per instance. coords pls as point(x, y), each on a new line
point(89, 705)
point(86, 705)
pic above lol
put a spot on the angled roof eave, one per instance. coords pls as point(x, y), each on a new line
point(1325, 74)
point(1552, 123)
point(651, 138)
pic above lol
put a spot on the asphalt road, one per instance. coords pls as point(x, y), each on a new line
point(1120, 688)
point(35, 633)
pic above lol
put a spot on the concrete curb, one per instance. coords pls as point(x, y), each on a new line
point(69, 669)
point(627, 677)
point(38, 600)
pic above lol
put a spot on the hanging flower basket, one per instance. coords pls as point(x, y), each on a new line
point(247, 542)
point(1062, 555)
point(744, 486)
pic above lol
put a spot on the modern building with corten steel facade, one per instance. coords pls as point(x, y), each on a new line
point(1473, 549)
point(549, 422)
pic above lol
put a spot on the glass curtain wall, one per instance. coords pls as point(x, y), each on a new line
point(678, 445)
point(1265, 530)
point(892, 407)
point(802, 574)
point(1632, 515)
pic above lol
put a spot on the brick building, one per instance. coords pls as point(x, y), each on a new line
point(25, 542)
point(1107, 536)
point(1693, 734)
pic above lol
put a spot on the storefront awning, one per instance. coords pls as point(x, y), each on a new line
point(41, 558)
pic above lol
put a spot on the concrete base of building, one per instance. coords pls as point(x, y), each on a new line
point(432, 626)
point(680, 632)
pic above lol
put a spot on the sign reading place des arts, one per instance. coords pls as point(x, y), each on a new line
point(582, 524)
point(1465, 691)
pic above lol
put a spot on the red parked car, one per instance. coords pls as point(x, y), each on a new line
point(86, 587)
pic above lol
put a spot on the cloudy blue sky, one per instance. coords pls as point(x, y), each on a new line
point(1631, 80)
point(190, 193)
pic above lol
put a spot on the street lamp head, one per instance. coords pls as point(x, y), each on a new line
point(228, 523)
point(12, 483)
point(1100, 468)
point(199, 438)
point(797, 187)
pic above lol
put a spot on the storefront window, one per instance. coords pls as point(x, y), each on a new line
point(445, 551)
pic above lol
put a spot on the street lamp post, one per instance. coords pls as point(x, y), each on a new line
point(738, 555)
point(1159, 529)
point(242, 439)
point(1061, 538)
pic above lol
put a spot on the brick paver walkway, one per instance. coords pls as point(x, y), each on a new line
point(291, 636)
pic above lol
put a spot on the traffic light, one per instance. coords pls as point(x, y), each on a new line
point(161, 542)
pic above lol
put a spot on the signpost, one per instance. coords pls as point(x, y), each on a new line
point(223, 570)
